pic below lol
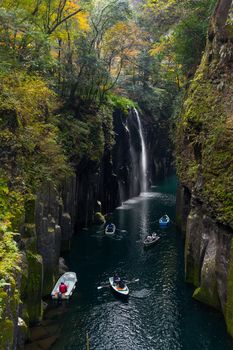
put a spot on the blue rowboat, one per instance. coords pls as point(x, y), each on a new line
point(164, 220)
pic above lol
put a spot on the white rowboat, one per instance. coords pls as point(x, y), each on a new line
point(70, 279)
point(110, 229)
point(120, 291)
point(150, 240)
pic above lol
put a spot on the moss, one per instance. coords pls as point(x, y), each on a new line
point(25, 315)
point(30, 211)
point(204, 143)
point(191, 268)
point(29, 230)
point(10, 258)
point(6, 334)
point(31, 244)
point(207, 291)
point(229, 301)
point(33, 287)
point(50, 277)
point(10, 268)
point(202, 294)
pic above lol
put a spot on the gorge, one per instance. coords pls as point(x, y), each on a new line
point(101, 101)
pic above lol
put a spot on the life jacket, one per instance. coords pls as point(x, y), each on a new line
point(63, 288)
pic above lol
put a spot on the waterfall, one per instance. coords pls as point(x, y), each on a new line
point(143, 158)
point(134, 179)
point(129, 156)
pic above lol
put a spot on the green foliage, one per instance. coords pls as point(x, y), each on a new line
point(121, 102)
point(85, 140)
point(189, 36)
point(11, 207)
point(10, 260)
point(9, 256)
point(30, 149)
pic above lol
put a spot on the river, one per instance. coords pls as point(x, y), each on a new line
point(160, 313)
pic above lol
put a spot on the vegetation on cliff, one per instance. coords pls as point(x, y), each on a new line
point(10, 268)
point(204, 139)
point(205, 167)
point(65, 66)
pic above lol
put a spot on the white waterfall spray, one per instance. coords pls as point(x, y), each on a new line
point(143, 159)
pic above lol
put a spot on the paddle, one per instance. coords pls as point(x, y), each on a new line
point(104, 286)
point(133, 281)
point(108, 285)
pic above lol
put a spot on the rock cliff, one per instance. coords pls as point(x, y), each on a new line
point(205, 169)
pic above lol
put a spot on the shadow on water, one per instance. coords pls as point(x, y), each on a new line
point(160, 313)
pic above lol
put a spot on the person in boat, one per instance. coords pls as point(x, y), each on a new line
point(110, 227)
point(63, 288)
point(149, 238)
point(116, 278)
point(121, 284)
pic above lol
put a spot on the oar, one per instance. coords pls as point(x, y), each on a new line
point(118, 229)
point(107, 285)
point(100, 231)
point(133, 281)
point(103, 286)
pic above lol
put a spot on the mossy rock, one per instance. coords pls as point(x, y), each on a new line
point(99, 218)
point(10, 270)
point(30, 244)
point(29, 230)
point(201, 294)
point(23, 333)
point(50, 278)
point(30, 211)
point(33, 288)
point(6, 334)
point(204, 143)
point(229, 301)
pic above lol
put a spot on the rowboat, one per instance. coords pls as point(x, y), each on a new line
point(164, 220)
point(151, 240)
point(123, 291)
point(70, 279)
point(110, 229)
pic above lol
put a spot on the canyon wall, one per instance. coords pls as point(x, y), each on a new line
point(205, 169)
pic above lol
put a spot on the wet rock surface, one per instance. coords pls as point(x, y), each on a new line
point(44, 335)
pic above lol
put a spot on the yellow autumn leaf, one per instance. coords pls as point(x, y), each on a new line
point(157, 48)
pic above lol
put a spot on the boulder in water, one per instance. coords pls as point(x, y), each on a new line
point(99, 219)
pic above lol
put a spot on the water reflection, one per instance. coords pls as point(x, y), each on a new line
point(160, 313)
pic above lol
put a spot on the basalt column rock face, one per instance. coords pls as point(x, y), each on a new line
point(55, 215)
point(160, 151)
point(205, 169)
point(68, 211)
point(48, 231)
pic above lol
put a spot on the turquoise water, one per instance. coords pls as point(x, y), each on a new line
point(160, 313)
